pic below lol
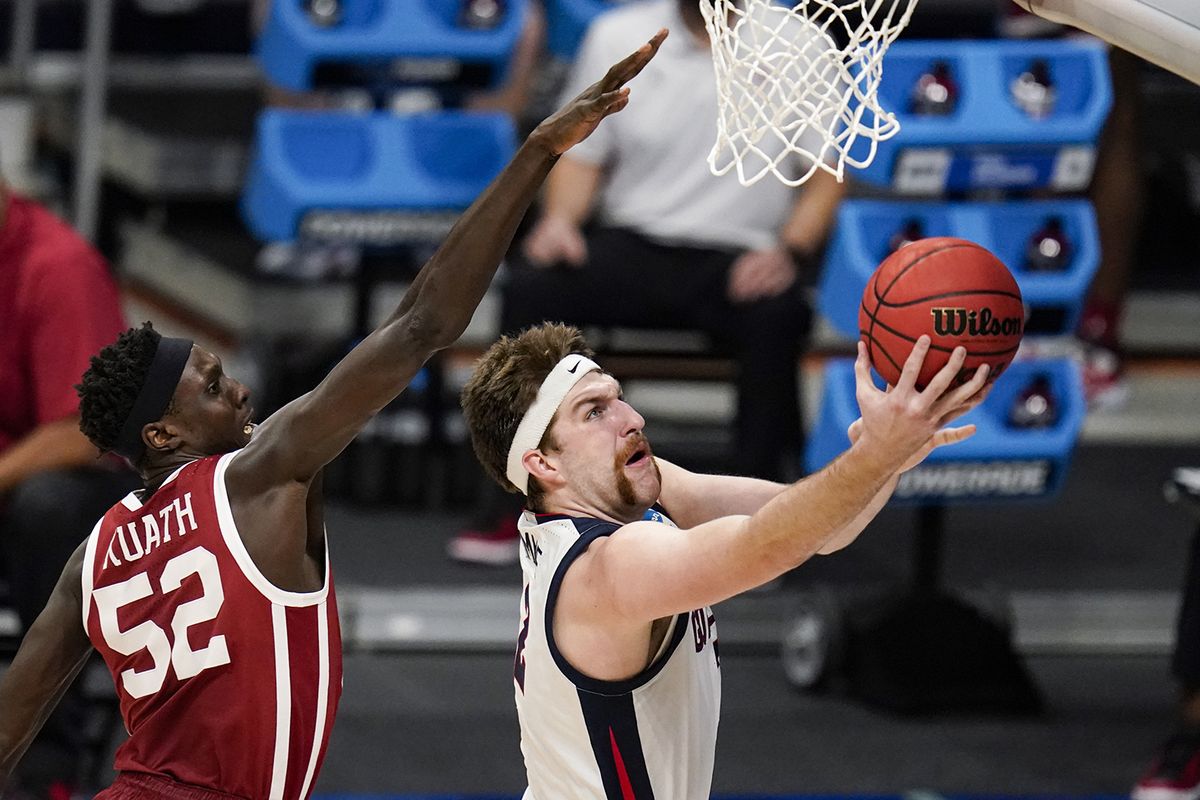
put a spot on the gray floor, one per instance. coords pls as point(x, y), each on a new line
point(445, 724)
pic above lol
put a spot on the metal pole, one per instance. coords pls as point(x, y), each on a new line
point(24, 33)
point(92, 93)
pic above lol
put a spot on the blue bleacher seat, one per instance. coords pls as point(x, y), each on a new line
point(372, 38)
point(309, 161)
point(988, 142)
point(998, 463)
point(860, 243)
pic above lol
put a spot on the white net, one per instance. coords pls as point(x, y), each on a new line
point(797, 85)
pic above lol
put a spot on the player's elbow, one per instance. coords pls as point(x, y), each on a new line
point(840, 541)
point(428, 330)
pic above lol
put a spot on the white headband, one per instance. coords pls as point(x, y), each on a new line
point(566, 373)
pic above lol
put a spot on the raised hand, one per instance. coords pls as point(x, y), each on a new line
point(575, 121)
point(902, 425)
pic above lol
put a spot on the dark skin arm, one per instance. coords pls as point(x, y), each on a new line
point(269, 482)
point(51, 655)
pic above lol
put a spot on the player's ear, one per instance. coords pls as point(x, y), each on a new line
point(543, 467)
point(161, 436)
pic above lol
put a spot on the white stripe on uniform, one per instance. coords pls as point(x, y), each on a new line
point(283, 702)
point(322, 694)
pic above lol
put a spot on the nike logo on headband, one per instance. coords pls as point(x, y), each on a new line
point(575, 367)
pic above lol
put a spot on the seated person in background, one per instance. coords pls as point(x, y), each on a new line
point(58, 305)
point(636, 232)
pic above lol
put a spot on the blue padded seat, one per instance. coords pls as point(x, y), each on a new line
point(321, 161)
point(385, 40)
point(860, 243)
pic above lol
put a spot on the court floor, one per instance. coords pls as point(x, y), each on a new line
point(444, 725)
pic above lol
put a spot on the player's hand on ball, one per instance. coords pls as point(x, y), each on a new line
point(572, 123)
point(944, 436)
point(903, 424)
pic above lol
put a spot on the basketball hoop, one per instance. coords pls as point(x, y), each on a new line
point(797, 85)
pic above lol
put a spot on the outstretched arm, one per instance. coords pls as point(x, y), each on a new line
point(54, 650)
point(647, 571)
point(294, 443)
point(943, 437)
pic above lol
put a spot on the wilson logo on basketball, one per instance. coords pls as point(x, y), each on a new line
point(960, 321)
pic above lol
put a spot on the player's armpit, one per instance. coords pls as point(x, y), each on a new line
point(693, 498)
point(52, 653)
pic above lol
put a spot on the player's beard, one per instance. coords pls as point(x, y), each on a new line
point(625, 488)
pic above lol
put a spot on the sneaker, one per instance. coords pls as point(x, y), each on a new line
point(496, 547)
point(1183, 489)
point(1104, 383)
point(1175, 774)
point(60, 790)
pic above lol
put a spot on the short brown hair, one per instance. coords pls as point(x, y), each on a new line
point(503, 387)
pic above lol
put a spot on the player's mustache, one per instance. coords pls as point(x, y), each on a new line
point(637, 441)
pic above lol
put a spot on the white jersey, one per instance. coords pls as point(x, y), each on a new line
point(651, 736)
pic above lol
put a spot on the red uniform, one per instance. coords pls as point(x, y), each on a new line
point(225, 681)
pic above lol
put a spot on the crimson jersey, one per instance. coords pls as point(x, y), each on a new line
point(225, 681)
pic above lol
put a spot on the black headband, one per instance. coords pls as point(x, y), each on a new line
point(155, 394)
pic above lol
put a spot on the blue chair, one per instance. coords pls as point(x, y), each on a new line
point(864, 227)
point(385, 41)
point(999, 462)
point(306, 163)
point(988, 142)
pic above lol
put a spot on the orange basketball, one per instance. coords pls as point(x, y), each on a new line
point(951, 289)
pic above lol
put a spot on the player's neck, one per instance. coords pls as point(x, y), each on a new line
point(5, 197)
point(577, 507)
point(154, 475)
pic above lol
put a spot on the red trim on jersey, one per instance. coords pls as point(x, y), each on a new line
point(622, 774)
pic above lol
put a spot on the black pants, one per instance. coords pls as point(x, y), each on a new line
point(1186, 662)
point(632, 282)
point(42, 521)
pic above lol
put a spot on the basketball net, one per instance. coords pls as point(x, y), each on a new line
point(797, 84)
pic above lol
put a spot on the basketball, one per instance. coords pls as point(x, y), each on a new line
point(954, 291)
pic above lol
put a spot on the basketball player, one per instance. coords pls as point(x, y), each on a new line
point(208, 593)
point(617, 668)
